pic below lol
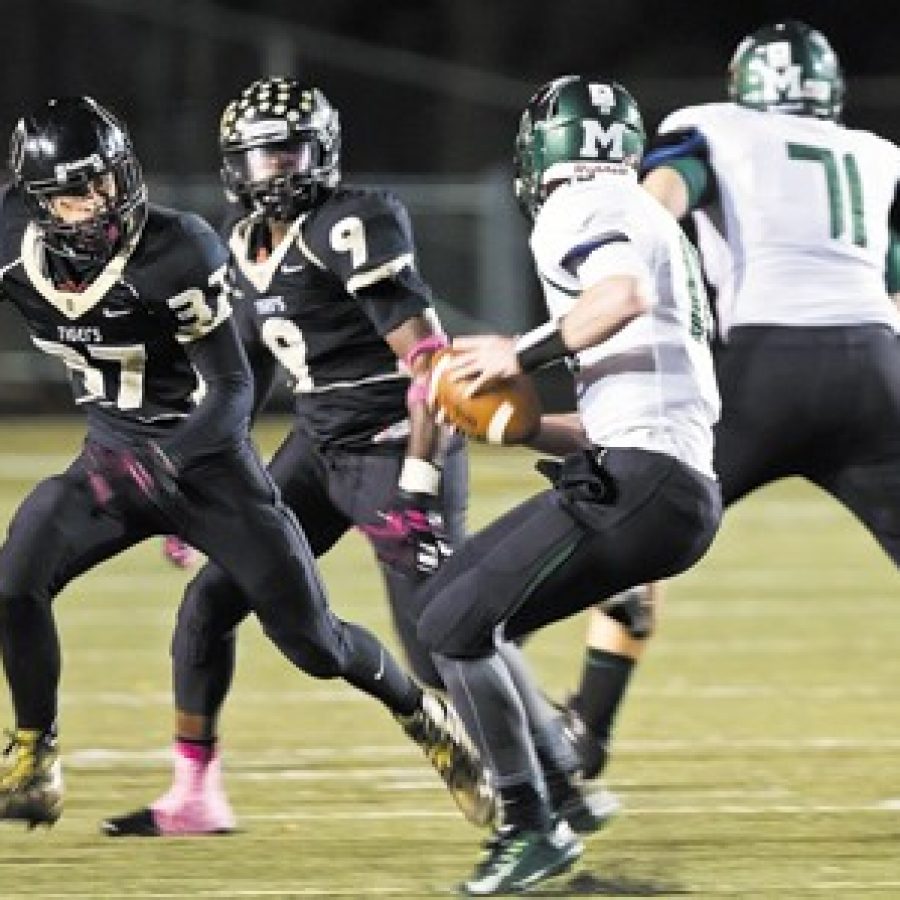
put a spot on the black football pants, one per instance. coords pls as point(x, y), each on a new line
point(819, 403)
point(615, 519)
point(231, 511)
point(329, 491)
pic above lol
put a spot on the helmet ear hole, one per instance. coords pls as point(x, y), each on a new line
point(272, 115)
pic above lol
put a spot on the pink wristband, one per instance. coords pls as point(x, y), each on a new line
point(427, 345)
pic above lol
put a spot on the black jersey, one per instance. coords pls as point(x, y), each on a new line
point(321, 304)
point(123, 337)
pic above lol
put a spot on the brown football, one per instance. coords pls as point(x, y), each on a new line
point(509, 413)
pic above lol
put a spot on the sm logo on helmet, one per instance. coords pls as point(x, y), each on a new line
point(778, 76)
point(597, 136)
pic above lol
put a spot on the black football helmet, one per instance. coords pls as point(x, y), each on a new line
point(281, 147)
point(790, 68)
point(573, 127)
point(73, 146)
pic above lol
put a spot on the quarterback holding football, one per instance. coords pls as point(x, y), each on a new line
point(634, 498)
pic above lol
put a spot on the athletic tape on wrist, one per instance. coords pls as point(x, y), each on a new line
point(418, 476)
point(417, 392)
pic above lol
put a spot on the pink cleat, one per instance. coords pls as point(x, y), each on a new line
point(180, 554)
point(195, 804)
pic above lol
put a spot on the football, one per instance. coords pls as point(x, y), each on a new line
point(509, 413)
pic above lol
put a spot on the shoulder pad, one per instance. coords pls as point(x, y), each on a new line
point(579, 218)
point(701, 116)
point(234, 214)
point(360, 236)
point(363, 202)
point(202, 240)
point(180, 249)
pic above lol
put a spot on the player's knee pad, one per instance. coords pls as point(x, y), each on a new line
point(633, 610)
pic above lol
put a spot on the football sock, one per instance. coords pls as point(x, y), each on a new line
point(200, 750)
point(604, 681)
point(559, 786)
point(524, 807)
point(31, 660)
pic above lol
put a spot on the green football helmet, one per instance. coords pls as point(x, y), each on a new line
point(790, 68)
point(572, 128)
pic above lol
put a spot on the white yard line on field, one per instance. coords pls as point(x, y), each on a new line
point(237, 759)
point(685, 689)
point(700, 809)
point(289, 889)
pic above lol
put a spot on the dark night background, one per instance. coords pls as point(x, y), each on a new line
point(424, 87)
point(429, 94)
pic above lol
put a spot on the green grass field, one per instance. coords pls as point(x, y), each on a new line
point(757, 757)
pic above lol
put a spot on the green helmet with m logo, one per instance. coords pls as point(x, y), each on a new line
point(790, 68)
point(572, 128)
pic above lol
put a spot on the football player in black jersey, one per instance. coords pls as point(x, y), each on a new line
point(131, 297)
point(324, 286)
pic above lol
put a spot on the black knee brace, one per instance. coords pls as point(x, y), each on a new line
point(633, 610)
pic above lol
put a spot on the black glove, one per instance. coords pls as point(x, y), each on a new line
point(127, 476)
point(409, 535)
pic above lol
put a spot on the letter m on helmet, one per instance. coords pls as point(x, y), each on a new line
point(597, 137)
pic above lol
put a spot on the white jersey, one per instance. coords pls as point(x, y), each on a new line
point(803, 208)
point(651, 385)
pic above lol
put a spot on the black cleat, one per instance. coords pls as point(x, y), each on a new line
point(140, 823)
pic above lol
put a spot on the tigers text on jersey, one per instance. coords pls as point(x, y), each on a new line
point(803, 207)
point(652, 384)
point(322, 302)
point(122, 336)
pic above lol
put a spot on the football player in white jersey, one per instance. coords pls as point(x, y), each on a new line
point(796, 218)
point(633, 500)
